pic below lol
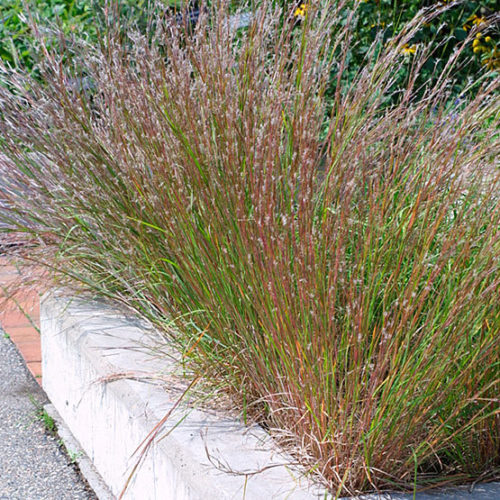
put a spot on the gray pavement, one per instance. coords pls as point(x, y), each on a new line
point(32, 464)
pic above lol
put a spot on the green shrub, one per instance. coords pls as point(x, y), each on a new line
point(340, 280)
point(16, 39)
point(66, 18)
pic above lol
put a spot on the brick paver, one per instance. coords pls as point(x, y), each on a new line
point(20, 317)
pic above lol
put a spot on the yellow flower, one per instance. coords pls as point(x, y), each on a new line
point(301, 11)
point(408, 49)
point(476, 42)
point(478, 49)
point(487, 39)
point(475, 20)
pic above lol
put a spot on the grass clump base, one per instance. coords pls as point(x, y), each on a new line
point(325, 247)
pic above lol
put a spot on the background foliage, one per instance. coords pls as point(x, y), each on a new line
point(80, 18)
point(374, 18)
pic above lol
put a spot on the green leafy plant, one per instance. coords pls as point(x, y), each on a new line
point(42, 415)
point(330, 258)
point(73, 456)
point(56, 19)
point(16, 38)
point(48, 421)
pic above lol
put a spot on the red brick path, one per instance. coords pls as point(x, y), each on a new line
point(21, 328)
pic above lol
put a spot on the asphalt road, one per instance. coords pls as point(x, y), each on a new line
point(32, 464)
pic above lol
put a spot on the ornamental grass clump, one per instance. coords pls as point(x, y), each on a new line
point(332, 263)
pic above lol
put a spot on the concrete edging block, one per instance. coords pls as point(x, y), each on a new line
point(90, 355)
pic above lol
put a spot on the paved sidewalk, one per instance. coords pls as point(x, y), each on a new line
point(32, 464)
